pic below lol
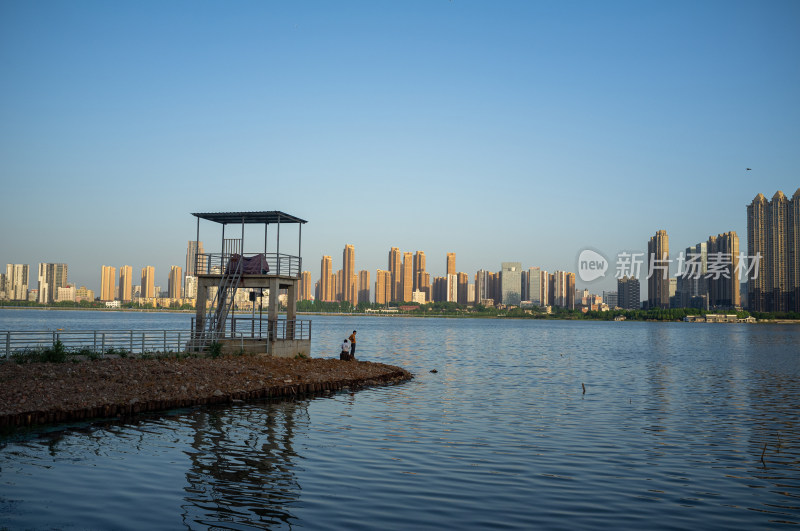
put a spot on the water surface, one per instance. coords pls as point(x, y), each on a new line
point(669, 434)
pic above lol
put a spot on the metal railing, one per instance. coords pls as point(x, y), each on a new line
point(279, 264)
point(98, 342)
point(282, 329)
point(262, 328)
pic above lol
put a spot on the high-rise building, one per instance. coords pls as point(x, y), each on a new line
point(610, 298)
point(349, 291)
point(195, 258)
point(451, 287)
point(658, 270)
point(482, 286)
point(148, 282)
point(570, 291)
point(338, 285)
point(304, 289)
point(535, 286)
point(395, 266)
point(560, 289)
point(108, 277)
point(547, 288)
point(325, 279)
point(51, 277)
point(17, 278)
point(463, 288)
point(451, 263)
point(425, 285)
point(407, 278)
point(723, 278)
point(175, 283)
point(511, 283)
point(190, 287)
point(628, 297)
point(43, 291)
point(773, 232)
point(383, 287)
point(126, 283)
point(439, 289)
point(363, 286)
point(419, 269)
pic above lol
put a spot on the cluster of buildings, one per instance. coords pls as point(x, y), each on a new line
point(406, 280)
point(709, 275)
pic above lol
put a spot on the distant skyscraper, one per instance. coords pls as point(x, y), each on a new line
point(419, 269)
point(407, 278)
point(482, 286)
point(610, 298)
point(126, 283)
point(628, 296)
point(349, 293)
point(451, 263)
point(339, 285)
point(560, 289)
point(148, 282)
point(304, 290)
point(452, 288)
point(535, 286)
point(175, 283)
point(723, 281)
point(383, 287)
point(51, 277)
point(658, 262)
point(193, 264)
point(570, 291)
point(463, 288)
point(363, 286)
point(17, 278)
point(325, 278)
point(395, 266)
point(43, 291)
point(511, 282)
point(108, 278)
point(773, 231)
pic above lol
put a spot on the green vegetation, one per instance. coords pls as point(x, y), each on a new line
point(452, 309)
point(215, 349)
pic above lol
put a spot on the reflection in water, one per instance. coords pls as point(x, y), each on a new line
point(243, 465)
point(669, 434)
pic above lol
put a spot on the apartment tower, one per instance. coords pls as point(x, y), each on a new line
point(349, 293)
point(325, 279)
point(125, 283)
point(773, 232)
point(148, 282)
point(108, 277)
point(658, 270)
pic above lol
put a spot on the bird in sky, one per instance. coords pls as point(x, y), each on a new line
point(748, 169)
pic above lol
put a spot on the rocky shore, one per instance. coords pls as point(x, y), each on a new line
point(43, 393)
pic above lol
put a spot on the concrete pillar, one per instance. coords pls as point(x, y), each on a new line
point(200, 306)
point(291, 309)
point(272, 307)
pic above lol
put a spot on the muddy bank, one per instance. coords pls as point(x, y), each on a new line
point(43, 393)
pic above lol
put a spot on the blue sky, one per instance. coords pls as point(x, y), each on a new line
point(501, 131)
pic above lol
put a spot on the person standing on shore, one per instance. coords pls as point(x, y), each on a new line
point(352, 339)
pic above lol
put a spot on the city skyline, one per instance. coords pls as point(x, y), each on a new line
point(542, 136)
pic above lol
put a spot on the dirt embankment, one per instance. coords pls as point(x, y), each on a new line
point(41, 393)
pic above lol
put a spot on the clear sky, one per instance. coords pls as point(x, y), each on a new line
point(501, 131)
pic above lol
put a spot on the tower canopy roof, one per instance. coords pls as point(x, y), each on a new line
point(265, 217)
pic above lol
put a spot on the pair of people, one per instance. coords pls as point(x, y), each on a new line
point(349, 348)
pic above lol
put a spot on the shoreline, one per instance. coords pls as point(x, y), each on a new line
point(384, 315)
point(37, 394)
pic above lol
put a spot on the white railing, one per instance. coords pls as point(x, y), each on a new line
point(96, 342)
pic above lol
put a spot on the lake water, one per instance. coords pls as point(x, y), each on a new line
point(669, 434)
